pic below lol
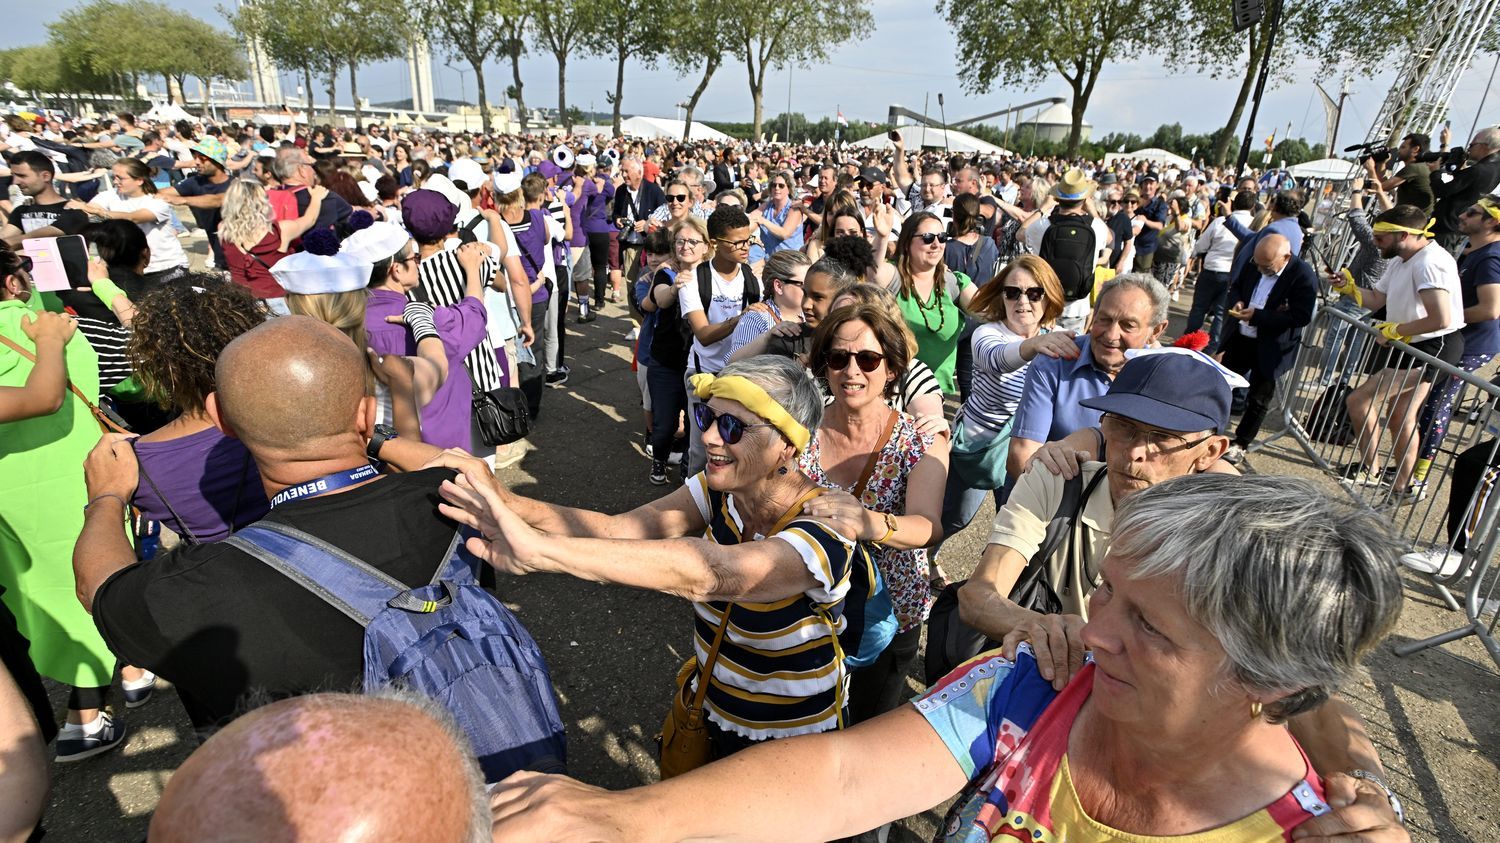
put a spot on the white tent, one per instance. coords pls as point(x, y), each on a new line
point(168, 113)
point(666, 127)
point(915, 137)
point(1331, 169)
point(1160, 156)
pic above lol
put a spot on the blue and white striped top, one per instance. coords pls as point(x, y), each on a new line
point(999, 377)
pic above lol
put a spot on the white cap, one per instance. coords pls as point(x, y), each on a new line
point(586, 159)
point(310, 274)
point(468, 171)
point(440, 183)
point(507, 182)
point(376, 243)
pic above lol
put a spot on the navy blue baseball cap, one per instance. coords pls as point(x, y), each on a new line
point(1170, 388)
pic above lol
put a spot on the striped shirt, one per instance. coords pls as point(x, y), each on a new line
point(442, 280)
point(780, 670)
point(999, 377)
point(109, 341)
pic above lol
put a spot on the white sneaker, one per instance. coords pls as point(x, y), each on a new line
point(633, 335)
point(1234, 455)
point(1440, 562)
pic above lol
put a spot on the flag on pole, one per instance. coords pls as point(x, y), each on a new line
point(841, 121)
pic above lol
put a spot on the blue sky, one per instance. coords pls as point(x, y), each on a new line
point(908, 58)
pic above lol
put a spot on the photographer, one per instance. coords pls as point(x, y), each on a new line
point(1456, 193)
point(1413, 181)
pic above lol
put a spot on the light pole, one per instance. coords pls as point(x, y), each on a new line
point(463, 85)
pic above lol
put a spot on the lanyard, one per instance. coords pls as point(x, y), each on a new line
point(327, 483)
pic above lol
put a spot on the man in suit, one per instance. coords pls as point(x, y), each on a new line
point(634, 201)
point(1274, 295)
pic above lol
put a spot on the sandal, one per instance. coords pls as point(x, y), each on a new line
point(939, 579)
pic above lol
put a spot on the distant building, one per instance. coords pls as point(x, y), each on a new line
point(1055, 122)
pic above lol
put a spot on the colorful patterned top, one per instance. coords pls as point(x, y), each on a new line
point(905, 571)
point(990, 710)
point(780, 670)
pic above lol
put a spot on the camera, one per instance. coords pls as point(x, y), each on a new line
point(1452, 160)
point(1374, 151)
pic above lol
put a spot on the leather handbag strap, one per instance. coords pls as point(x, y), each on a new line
point(858, 489)
point(105, 422)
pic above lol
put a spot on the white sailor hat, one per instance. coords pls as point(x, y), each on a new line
point(507, 182)
point(309, 274)
point(379, 241)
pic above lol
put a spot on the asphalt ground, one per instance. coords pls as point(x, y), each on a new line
point(614, 651)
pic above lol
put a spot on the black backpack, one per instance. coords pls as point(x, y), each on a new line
point(466, 233)
point(706, 294)
point(1069, 247)
point(951, 642)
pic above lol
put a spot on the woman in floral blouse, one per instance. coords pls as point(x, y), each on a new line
point(895, 470)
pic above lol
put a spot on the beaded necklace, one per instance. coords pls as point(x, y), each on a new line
point(937, 304)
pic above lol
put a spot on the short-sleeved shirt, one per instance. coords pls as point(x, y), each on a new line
point(29, 218)
point(937, 323)
point(728, 302)
point(161, 236)
point(1477, 269)
point(1416, 186)
point(1049, 407)
point(1431, 268)
point(207, 218)
point(1156, 211)
point(1021, 525)
point(780, 670)
point(752, 324)
point(1008, 730)
point(206, 479)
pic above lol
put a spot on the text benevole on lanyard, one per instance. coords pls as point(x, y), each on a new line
point(327, 483)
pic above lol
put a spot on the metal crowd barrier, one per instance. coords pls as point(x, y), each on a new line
point(1339, 352)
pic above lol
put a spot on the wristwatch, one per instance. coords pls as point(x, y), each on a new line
point(1390, 795)
point(890, 528)
point(383, 433)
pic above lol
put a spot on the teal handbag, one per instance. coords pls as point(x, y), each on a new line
point(979, 461)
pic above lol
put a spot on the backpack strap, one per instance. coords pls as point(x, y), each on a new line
point(751, 293)
point(342, 581)
point(457, 566)
point(705, 286)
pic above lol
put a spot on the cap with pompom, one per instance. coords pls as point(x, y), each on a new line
point(321, 268)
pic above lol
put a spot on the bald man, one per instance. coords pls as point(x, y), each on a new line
point(1273, 300)
point(218, 623)
point(330, 767)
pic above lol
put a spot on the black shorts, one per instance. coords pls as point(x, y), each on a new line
point(1448, 348)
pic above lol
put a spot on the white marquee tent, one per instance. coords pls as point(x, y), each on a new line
point(666, 127)
point(1330, 169)
point(915, 137)
point(167, 113)
point(1160, 156)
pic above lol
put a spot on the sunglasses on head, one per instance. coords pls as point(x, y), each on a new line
point(930, 237)
point(731, 429)
point(869, 361)
point(1033, 294)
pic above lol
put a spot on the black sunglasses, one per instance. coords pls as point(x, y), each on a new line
point(1033, 294)
point(869, 361)
point(731, 429)
point(930, 237)
point(677, 197)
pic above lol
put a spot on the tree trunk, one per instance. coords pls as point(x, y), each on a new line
point(307, 114)
point(708, 73)
point(1231, 129)
point(619, 86)
point(562, 92)
point(359, 123)
point(757, 87)
point(484, 103)
point(333, 79)
point(515, 72)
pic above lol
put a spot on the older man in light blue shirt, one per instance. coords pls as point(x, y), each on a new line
point(1131, 313)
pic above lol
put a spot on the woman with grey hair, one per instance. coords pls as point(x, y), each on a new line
point(734, 541)
point(1228, 604)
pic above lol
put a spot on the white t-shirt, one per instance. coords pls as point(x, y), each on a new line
point(166, 250)
point(728, 301)
point(1430, 269)
point(498, 322)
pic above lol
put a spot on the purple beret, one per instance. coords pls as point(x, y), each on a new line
point(428, 215)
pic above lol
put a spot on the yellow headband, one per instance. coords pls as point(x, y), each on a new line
point(1392, 228)
point(756, 400)
point(1489, 208)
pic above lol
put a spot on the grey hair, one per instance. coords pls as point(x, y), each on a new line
point(1296, 587)
point(691, 171)
point(781, 265)
point(1490, 137)
point(1161, 300)
point(787, 382)
point(288, 160)
point(836, 270)
point(480, 819)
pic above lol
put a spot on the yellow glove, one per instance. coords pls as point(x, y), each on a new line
point(1388, 330)
point(1347, 287)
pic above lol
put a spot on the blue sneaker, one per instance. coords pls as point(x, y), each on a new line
point(87, 746)
point(139, 692)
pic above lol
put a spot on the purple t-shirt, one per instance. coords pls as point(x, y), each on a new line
point(445, 419)
point(596, 215)
point(208, 478)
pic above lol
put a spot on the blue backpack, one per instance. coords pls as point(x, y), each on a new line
point(449, 640)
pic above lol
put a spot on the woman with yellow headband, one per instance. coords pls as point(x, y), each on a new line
point(1421, 294)
point(733, 540)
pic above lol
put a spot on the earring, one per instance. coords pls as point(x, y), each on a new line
point(1255, 710)
point(782, 470)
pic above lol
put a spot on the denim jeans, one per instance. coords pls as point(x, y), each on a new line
point(668, 399)
point(1208, 304)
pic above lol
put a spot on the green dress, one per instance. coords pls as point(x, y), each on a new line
point(41, 514)
point(937, 323)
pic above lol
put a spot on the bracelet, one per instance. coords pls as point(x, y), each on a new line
point(1390, 795)
point(123, 503)
point(890, 528)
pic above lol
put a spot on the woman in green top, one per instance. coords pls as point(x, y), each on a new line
point(932, 298)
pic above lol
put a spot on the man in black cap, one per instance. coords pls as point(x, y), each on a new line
point(1153, 216)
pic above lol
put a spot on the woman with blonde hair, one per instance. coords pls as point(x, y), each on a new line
point(254, 242)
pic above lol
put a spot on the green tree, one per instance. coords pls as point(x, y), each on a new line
point(290, 33)
point(471, 30)
point(366, 33)
point(1016, 43)
point(703, 36)
point(563, 27)
point(774, 33)
point(516, 26)
point(619, 33)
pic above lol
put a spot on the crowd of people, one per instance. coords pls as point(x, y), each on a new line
point(839, 353)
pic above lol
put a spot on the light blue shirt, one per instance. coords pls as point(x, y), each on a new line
point(1049, 408)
